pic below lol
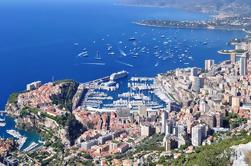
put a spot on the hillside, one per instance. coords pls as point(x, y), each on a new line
point(230, 7)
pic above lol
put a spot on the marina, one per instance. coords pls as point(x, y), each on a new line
point(121, 91)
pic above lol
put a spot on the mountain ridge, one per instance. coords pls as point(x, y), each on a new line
point(228, 7)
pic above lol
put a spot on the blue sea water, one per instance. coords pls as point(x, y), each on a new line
point(40, 40)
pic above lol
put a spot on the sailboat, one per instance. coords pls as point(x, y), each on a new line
point(98, 56)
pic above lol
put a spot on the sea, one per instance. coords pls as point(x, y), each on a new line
point(87, 39)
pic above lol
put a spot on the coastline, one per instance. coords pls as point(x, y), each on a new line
point(194, 28)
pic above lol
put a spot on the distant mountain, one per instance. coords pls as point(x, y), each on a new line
point(230, 7)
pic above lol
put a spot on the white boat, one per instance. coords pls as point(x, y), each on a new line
point(2, 122)
point(118, 75)
point(122, 52)
point(156, 64)
point(98, 57)
point(111, 53)
point(83, 54)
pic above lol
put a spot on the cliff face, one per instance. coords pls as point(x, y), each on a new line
point(48, 108)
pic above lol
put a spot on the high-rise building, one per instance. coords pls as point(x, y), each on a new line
point(196, 84)
point(243, 64)
point(194, 71)
point(209, 64)
point(182, 135)
point(169, 128)
point(219, 119)
point(147, 130)
point(169, 143)
point(233, 58)
point(198, 134)
point(164, 117)
point(209, 119)
point(203, 106)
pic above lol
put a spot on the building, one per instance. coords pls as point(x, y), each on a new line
point(209, 119)
point(243, 64)
point(164, 116)
point(10, 161)
point(198, 134)
point(102, 139)
point(194, 71)
point(233, 58)
point(169, 143)
point(123, 148)
point(203, 106)
point(88, 144)
point(209, 64)
point(33, 85)
point(219, 119)
point(236, 102)
point(196, 84)
point(182, 135)
point(169, 128)
point(147, 130)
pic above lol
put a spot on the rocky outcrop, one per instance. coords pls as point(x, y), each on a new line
point(49, 108)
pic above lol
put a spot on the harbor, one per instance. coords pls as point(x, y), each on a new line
point(120, 91)
point(24, 138)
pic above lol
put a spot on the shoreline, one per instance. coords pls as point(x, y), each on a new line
point(193, 28)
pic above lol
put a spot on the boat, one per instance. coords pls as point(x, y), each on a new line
point(156, 64)
point(122, 52)
point(98, 57)
point(118, 75)
point(132, 39)
point(2, 122)
point(111, 53)
point(109, 48)
point(83, 54)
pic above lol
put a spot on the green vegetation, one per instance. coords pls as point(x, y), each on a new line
point(232, 120)
point(13, 98)
point(85, 155)
point(215, 154)
point(240, 51)
point(68, 90)
point(28, 111)
point(151, 143)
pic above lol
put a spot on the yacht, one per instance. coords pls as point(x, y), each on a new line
point(132, 39)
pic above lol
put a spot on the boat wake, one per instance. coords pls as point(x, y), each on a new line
point(126, 64)
point(98, 64)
